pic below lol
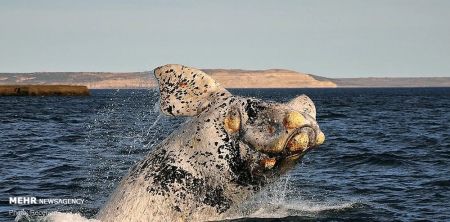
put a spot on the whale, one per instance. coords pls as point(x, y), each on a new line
point(228, 150)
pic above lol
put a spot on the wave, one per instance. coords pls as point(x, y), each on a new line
point(60, 169)
point(438, 183)
point(379, 159)
point(332, 115)
point(298, 209)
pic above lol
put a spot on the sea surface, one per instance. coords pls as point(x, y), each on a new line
point(386, 156)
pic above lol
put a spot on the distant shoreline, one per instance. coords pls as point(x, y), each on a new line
point(229, 78)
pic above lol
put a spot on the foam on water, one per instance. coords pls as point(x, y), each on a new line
point(283, 199)
point(55, 217)
point(297, 208)
point(268, 210)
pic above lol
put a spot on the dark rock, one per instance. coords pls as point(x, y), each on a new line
point(43, 90)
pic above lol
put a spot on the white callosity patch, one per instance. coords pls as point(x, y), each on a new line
point(229, 150)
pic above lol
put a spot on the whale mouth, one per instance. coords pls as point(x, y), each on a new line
point(299, 142)
point(295, 143)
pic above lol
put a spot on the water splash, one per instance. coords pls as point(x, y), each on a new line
point(156, 109)
point(283, 199)
point(54, 217)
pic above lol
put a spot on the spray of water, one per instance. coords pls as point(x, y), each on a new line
point(283, 199)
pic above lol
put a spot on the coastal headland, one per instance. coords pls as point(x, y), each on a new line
point(43, 90)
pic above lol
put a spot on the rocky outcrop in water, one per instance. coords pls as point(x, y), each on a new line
point(44, 90)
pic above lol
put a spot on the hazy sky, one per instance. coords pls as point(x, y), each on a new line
point(345, 38)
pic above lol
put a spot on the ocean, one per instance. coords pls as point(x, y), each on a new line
point(386, 156)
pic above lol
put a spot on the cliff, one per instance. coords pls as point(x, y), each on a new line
point(271, 78)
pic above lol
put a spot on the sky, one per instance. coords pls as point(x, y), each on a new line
point(345, 38)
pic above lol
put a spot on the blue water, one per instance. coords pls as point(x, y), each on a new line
point(386, 157)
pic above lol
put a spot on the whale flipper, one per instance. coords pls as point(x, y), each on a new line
point(185, 91)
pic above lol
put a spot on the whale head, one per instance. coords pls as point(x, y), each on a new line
point(255, 140)
point(275, 135)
